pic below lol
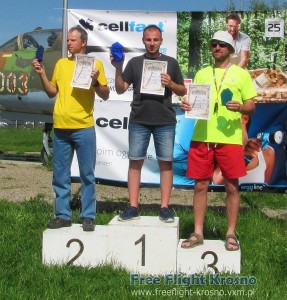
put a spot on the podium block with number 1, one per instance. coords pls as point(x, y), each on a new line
point(146, 245)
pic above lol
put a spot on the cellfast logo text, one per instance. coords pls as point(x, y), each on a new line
point(131, 26)
point(113, 123)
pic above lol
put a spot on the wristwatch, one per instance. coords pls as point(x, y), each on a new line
point(96, 84)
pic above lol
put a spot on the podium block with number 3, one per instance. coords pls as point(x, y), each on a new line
point(146, 245)
point(211, 257)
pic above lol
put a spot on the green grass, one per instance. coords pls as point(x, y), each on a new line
point(21, 140)
point(23, 276)
point(261, 200)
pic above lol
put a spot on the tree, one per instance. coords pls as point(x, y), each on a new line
point(259, 5)
point(195, 32)
point(270, 5)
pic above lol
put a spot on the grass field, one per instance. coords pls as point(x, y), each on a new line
point(21, 140)
point(23, 276)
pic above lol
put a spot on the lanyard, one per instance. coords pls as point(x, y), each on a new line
point(220, 85)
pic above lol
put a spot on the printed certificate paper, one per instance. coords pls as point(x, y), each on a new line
point(82, 74)
point(151, 79)
point(198, 96)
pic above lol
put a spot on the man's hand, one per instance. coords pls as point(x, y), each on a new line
point(166, 80)
point(117, 65)
point(233, 106)
point(184, 105)
point(95, 74)
point(38, 67)
point(247, 108)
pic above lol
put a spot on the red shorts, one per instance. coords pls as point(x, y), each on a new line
point(203, 157)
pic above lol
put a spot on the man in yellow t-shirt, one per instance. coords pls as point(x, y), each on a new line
point(73, 130)
point(219, 139)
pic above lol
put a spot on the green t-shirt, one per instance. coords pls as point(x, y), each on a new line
point(224, 126)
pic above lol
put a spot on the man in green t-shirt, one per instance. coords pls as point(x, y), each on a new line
point(218, 140)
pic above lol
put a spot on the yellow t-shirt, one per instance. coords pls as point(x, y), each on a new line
point(74, 106)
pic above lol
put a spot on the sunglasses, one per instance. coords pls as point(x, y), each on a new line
point(220, 44)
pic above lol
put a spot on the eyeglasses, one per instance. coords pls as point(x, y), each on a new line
point(220, 44)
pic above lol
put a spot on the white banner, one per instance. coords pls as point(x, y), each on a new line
point(111, 117)
point(107, 27)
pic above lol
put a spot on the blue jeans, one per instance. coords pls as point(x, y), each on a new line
point(83, 141)
point(139, 137)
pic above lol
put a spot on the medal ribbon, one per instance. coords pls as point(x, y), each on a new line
point(219, 88)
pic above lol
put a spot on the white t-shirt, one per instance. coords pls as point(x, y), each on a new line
point(241, 43)
point(257, 174)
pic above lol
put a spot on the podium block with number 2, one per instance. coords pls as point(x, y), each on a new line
point(73, 246)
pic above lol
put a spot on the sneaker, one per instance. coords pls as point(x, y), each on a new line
point(165, 215)
point(131, 213)
point(59, 223)
point(88, 224)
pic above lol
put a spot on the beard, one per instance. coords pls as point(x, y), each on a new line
point(220, 58)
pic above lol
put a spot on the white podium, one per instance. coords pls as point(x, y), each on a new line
point(146, 245)
point(211, 257)
point(72, 245)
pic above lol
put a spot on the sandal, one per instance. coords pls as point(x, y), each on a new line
point(233, 243)
point(192, 243)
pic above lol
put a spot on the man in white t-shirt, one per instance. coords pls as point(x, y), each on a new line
point(241, 41)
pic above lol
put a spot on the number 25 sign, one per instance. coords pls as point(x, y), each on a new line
point(274, 27)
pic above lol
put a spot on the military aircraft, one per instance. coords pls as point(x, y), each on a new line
point(21, 88)
point(21, 93)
